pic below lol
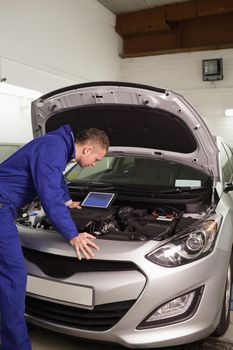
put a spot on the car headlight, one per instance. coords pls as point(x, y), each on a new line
point(189, 246)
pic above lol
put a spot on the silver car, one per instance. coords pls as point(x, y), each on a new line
point(160, 204)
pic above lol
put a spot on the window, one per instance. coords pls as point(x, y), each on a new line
point(139, 171)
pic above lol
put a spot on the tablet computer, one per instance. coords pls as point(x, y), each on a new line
point(98, 200)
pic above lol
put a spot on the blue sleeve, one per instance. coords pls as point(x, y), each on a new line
point(65, 190)
point(47, 165)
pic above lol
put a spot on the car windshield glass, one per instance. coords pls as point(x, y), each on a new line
point(132, 171)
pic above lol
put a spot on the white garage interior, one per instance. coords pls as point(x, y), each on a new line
point(53, 45)
point(50, 44)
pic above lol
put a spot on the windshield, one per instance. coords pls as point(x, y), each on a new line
point(134, 171)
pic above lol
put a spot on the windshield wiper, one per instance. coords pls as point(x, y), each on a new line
point(136, 189)
point(183, 189)
point(88, 184)
point(107, 186)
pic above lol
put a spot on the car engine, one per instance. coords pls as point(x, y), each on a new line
point(128, 221)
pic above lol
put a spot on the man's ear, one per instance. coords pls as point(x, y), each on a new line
point(87, 149)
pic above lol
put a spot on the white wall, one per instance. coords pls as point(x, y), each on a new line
point(183, 73)
point(48, 44)
point(15, 114)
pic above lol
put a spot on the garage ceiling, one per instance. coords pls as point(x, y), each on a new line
point(124, 6)
point(152, 27)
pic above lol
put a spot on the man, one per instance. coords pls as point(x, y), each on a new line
point(37, 169)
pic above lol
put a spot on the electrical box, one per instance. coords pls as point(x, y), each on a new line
point(212, 69)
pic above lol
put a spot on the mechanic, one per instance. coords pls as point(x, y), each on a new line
point(37, 169)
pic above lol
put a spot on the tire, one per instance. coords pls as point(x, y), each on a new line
point(226, 305)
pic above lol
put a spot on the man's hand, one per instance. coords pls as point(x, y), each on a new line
point(83, 244)
point(74, 205)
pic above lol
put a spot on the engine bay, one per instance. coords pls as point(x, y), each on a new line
point(127, 220)
point(130, 223)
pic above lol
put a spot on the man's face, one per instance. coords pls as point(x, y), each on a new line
point(90, 155)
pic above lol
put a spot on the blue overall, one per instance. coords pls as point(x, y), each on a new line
point(34, 170)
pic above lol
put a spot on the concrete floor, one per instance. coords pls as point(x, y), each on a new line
point(46, 340)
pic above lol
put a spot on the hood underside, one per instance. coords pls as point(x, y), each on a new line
point(134, 117)
point(127, 126)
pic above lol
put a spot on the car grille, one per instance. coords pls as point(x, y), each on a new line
point(59, 266)
point(101, 318)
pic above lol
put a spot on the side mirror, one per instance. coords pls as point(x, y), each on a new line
point(228, 187)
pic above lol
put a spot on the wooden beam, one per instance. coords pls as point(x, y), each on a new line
point(188, 35)
point(158, 19)
point(181, 11)
point(142, 22)
point(161, 41)
point(209, 30)
point(213, 7)
point(180, 50)
point(197, 8)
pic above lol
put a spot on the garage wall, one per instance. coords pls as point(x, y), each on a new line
point(49, 44)
point(15, 116)
point(183, 73)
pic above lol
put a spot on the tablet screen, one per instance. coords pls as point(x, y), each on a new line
point(98, 200)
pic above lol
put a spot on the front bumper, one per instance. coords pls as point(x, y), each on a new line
point(136, 294)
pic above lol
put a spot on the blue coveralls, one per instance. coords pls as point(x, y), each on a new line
point(35, 169)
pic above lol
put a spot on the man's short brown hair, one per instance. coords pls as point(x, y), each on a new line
point(93, 135)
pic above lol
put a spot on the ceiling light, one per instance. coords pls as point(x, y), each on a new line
point(229, 112)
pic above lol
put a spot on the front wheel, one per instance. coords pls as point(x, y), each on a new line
point(226, 305)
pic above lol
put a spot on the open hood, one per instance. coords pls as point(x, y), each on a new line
point(138, 119)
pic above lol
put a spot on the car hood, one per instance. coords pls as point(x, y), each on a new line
point(138, 119)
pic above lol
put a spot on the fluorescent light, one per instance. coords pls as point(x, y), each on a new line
point(19, 91)
point(229, 112)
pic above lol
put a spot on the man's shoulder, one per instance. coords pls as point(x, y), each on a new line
point(44, 144)
point(49, 139)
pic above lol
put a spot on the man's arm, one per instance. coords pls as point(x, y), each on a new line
point(46, 169)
